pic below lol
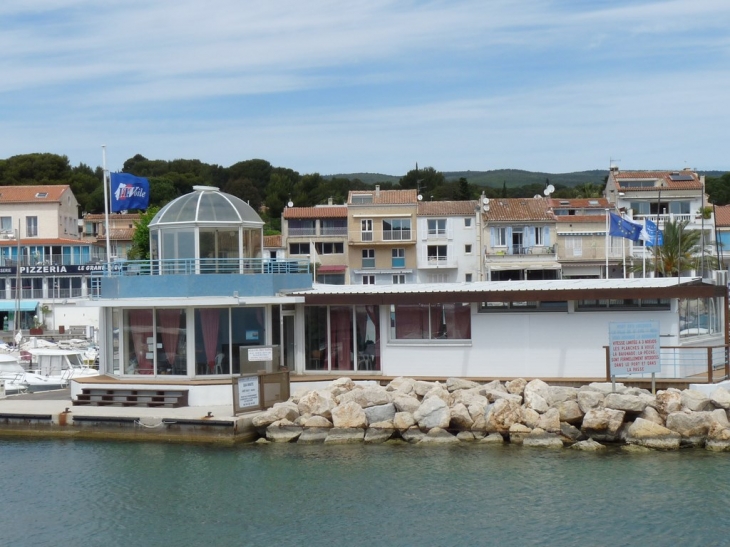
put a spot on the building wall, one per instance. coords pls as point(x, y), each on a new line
point(458, 263)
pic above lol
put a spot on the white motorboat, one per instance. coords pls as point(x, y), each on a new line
point(56, 367)
point(12, 374)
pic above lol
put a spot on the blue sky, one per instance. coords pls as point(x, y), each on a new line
point(373, 86)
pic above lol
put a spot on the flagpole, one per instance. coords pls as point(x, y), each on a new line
point(106, 210)
point(606, 244)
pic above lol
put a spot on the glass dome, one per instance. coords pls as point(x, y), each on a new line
point(206, 204)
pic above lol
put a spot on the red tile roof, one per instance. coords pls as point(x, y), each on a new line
point(516, 209)
point(112, 216)
point(324, 211)
point(446, 208)
point(386, 197)
point(272, 241)
point(564, 219)
point(663, 176)
point(47, 241)
point(722, 216)
point(580, 203)
point(26, 194)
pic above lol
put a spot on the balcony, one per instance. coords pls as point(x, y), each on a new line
point(302, 232)
point(397, 235)
point(689, 218)
point(340, 231)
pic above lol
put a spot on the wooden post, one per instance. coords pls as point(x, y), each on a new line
point(709, 365)
point(608, 363)
point(727, 363)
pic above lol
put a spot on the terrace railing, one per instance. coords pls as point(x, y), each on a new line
point(700, 364)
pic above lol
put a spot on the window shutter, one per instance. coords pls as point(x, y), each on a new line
point(423, 227)
point(450, 228)
point(546, 236)
point(492, 235)
point(509, 240)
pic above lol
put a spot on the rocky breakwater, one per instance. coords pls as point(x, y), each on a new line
point(527, 413)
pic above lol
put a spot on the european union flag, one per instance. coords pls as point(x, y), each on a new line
point(129, 192)
point(621, 227)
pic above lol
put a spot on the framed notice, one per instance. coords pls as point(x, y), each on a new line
point(248, 391)
point(634, 348)
point(261, 354)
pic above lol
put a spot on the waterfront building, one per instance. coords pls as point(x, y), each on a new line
point(121, 232)
point(722, 234)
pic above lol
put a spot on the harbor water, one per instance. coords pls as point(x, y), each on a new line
point(56, 492)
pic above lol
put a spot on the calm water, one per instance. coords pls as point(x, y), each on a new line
point(88, 493)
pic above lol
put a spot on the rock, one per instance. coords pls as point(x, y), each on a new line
point(518, 432)
point(441, 393)
point(635, 448)
point(262, 440)
point(668, 401)
point(493, 438)
point(570, 412)
point(340, 386)
point(438, 436)
point(403, 420)
point(625, 402)
point(516, 386)
point(550, 421)
point(387, 424)
point(422, 387)
point(313, 435)
point(317, 421)
point(651, 435)
point(478, 413)
point(720, 398)
point(285, 411)
point(402, 385)
point(542, 441)
point(692, 426)
point(366, 397)
point(412, 435)
point(470, 397)
point(317, 403)
point(720, 416)
point(536, 395)
point(380, 413)
point(460, 418)
point(652, 414)
point(433, 412)
point(494, 395)
point(561, 394)
point(467, 436)
point(283, 432)
point(494, 385)
point(695, 401)
point(718, 438)
point(588, 445)
point(345, 435)
point(406, 403)
point(602, 424)
point(607, 387)
point(589, 399)
point(569, 433)
point(530, 417)
point(349, 415)
point(264, 419)
point(501, 415)
point(455, 384)
point(374, 435)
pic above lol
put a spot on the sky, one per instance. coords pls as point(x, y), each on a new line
point(370, 86)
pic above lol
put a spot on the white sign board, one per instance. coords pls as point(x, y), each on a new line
point(634, 347)
point(260, 354)
point(248, 391)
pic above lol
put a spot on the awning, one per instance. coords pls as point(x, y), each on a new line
point(331, 269)
point(24, 305)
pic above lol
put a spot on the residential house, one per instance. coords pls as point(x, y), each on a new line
point(320, 234)
point(382, 236)
point(722, 235)
point(448, 241)
point(274, 248)
point(519, 239)
point(121, 232)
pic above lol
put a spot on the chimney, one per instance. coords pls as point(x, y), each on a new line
point(329, 201)
point(377, 190)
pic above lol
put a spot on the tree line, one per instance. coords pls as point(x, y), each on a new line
point(268, 189)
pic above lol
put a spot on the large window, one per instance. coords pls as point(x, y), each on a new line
point(6, 224)
point(31, 226)
point(334, 226)
point(436, 254)
point(500, 237)
point(368, 258)
point(398, 259)
point(366, 229)
point(329, 247)
point(436, 226)
point(298, 248)
point(430, 321)
point(397, 229)
point(301, 227)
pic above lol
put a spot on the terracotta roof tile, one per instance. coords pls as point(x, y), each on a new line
point(112, 216)
point(722, 216)
point(516, 209)
point(580, 203)
point(47, 241)
point(272, 241)
point(324, 211)
point(567, 219)
point(446, 208)
point(26, 194)
point(386, 197)
point(122, 234)
point(664, 176)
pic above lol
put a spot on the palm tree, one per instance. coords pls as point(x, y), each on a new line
point(681, 251)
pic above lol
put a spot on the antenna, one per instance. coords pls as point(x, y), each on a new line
point(549, 190)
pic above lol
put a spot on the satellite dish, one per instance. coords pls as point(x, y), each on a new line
point(550, 188)
point(485, 208)
point(485, 200)
point(537, 196)
point(290, 204)
point(420, 197)
point(545, 191)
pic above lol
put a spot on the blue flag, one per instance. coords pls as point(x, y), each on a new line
point(651, 234)
point(621, 227)
point(129, 192)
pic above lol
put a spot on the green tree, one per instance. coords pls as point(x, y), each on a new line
point(140, 249)
point(718, 189)
point(426, 180)
point(682, 251)
point(246, 190)
point(587, 190)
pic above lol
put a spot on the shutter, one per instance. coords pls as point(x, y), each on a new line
point(491, 238)
point(509, 240)
point(528, 235)
point(423, 227)
point(546, 236)
point(450, 228)
point(450, 258)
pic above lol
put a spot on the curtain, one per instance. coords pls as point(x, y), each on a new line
point(169, 327)
point(140, 322)
point(458, 321)
point(210, 319)
point(341, 337)
point(411, 321)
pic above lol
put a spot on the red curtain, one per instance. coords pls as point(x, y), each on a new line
point(210, 319)
point(411, 322)
point(341, 337)
point(140, 322)
point(458, 321)
point(169, 327)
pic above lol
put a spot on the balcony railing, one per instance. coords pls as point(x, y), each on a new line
point(334, 231)
point(192, 266)
point(516, 250)
point(50, 260)
point(673, 217)
point(396, 235)
point(302, 232)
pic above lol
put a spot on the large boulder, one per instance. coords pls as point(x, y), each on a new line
point(440, 392)
point(412, 435)
point(478, 415)
point(422, 387)
point(588, 399)
point(317, 403)
point(718, 438)
point(550, 421)
point(652, 414)
point(345, 435)
point(539, 439)
point(341, 385)
point(668, 401)
point(366, 397)
point(696, 401)
point(570, 412)
point(561, 394)
point(530, 417)
point(402, 385)
point(501, 415)
point(518, 433)
point(380, 413)
point(455, 384)
point(626, 402)
point(403, 420)
point(286, 410)
point(589, 445)
point(433, 412)
point(602, 424)
point(606, 387)
point(313, 435)
point(317, 422)
point(470, 397)
point(376, 434)
point(283, 431)
point(438, 436)
point(495, 394)
point(516, 386)
point(651, 435)
point(460, 417)
point(406, 403)
point(537, 395)
point(569, 433)
point(720, 398)
point(349, 415)
point(692, 426)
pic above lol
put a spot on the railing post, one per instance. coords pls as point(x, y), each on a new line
point(709, 365)
point(727, 363)
point(608, 363)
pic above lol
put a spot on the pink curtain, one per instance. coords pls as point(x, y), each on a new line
point(411, 321)
point(169, 327)
point(210, 319)
point(341, 337)
point(458, 321)
point(140, 322)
